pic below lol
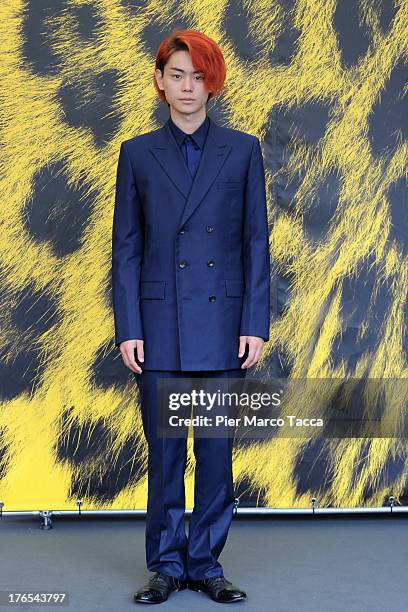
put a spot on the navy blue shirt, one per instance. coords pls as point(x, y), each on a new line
point(191, 145)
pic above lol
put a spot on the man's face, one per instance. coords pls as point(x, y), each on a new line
point(182, 84)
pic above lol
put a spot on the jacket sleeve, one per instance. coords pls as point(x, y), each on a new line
point(256, 305)
point(127, 253)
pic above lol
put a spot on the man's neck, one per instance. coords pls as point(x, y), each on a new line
point(188, 123)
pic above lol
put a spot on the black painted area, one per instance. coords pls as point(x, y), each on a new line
point(34, 312)
point(388, 124)
point(57, 213)
point(90, 102)
point(97, 474)
point(39, 20)
point(88, 21)
point(313, 468)
point(287, 128)
point(37, 32)
point(285, 287)
point(390, 474)
point(307, 122)
point(27, 314)
point(21, 375)
point(386, 11)
point(287, 41)
point(236, 24)
point(108, 369)
point(319, 215)
point(248, 495)
point(361, 301)
point(108, 479)
point(80, 443)
point(236, 28)
point(398, 206)
point(353, 35)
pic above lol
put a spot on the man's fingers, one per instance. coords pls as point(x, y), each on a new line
point(127, 350)
point(242, 345)
point(140, 350)
point(250, 359)
point(256, 356)
point(130, 362)
point(253, 354)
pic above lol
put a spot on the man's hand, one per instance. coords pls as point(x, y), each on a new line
point(255, 345)
point(127, 349)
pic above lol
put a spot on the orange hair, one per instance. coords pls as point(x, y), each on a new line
point(206, 56)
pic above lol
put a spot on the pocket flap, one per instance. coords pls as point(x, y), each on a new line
point(229, 184)
point(152, 290)
point(234, 288)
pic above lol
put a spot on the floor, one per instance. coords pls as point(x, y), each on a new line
point(350, 563)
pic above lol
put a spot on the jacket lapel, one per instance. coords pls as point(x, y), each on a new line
point(171, 160)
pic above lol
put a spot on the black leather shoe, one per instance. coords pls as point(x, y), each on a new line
point(218, 588)
point(158, 588)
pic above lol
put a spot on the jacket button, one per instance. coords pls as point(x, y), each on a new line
point(183, 230)
point(183, 264)
point(209, 229)
point(210, 263)
point(212, 298)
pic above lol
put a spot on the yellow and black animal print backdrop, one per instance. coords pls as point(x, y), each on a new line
point(322, 84)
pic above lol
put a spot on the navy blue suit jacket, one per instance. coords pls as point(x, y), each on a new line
point(190, 257)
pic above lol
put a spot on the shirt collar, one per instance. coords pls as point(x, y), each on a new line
point(198, 136)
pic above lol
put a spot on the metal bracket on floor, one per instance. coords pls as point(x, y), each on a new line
point(79, 504)
point(46, 516)
point(236, 504)
point(1, 508)
point(314, 504)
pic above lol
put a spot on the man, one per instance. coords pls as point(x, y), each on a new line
point(190, 278)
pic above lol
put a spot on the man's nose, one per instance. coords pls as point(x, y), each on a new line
point(188, 83)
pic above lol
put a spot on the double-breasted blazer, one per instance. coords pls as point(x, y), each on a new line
point(190, 256)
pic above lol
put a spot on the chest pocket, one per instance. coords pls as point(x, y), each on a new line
point(229, 184)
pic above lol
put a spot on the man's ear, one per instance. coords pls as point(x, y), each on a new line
point(158, 74)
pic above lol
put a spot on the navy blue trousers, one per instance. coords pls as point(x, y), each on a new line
point(168, 548)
